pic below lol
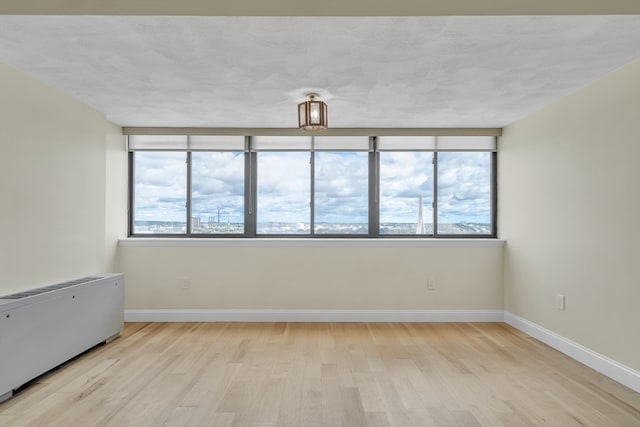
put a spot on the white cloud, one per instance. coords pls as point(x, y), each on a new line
point(160, 186)
point(283, 187)
point(404, 176)
point(341, 191)
point(218, 186)
point(464, 187)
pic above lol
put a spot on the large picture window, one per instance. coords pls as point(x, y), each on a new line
point(160, 188)
point(406, 193)
point(341, 193)
point(312, 186)
point(217, 192)
point(284, 193)
point(464, 193)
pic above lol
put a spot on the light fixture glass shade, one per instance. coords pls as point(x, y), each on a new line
point(312, 113)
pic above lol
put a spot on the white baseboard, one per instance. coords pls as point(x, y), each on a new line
point(250, 315)
point(609, 367)
point(6, 396)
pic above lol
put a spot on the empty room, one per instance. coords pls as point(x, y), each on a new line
point(290, 213)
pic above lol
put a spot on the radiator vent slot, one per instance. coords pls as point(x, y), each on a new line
point(50, 288)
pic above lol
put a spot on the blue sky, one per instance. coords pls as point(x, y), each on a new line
point(340, 186)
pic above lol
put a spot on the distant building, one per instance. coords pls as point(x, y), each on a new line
point(420, 224)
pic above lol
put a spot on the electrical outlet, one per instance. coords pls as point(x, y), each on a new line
point(431, 284)
point(185, 283)
point(560, 302)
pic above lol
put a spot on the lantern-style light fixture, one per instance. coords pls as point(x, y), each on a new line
point(312, 113)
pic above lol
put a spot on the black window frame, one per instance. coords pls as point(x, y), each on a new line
point(250, 201)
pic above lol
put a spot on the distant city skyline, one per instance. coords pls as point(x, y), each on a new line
point(176, 227)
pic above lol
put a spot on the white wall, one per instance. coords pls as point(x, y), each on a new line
point(312, 277)
point(115, 194)
point(569, 208)
point(52, 185)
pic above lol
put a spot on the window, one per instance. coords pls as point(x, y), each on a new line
point(341, 202)
point(284, 193)
point(217, 192)
point(286, 188)
point(312, 186)
point(406, 193)
point(464, 193)
point(159, 180)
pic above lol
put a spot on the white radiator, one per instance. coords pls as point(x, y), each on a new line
point(44, 327)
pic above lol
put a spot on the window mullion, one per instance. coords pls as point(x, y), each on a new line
point(312, 194)
point(250, 192)
point(131, 200)
point(494, 195)
point(435, 193)
point(188, 202)
point(374, 190)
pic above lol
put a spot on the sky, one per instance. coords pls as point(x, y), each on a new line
point(341, 194)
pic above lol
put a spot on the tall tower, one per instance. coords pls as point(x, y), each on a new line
point(420, 224)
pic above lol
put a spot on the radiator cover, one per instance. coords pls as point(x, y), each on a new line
point(43, 328)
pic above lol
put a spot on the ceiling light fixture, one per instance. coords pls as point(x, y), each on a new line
point(312, 113)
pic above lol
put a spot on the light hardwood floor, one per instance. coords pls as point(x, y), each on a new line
point(323, 374)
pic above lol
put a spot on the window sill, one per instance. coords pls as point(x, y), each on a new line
point(313, 242)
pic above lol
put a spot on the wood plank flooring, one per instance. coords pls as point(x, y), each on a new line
point(323, 374)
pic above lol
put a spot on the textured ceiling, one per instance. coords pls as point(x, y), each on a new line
point(319, 8)
point(372, 71)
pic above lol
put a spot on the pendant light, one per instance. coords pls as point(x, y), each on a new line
point(312, 113)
